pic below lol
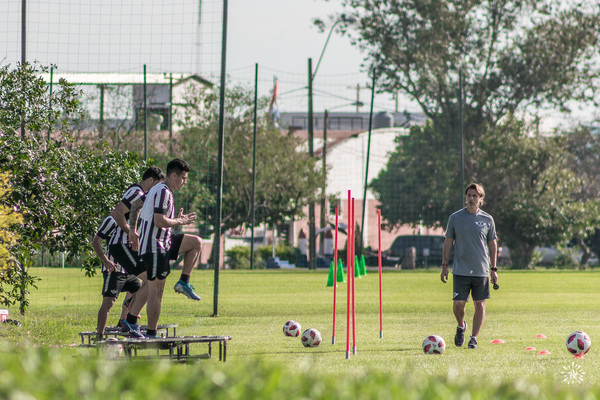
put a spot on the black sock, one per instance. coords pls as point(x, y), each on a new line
point(132, 319)
point(151, 332)
point(185, 278)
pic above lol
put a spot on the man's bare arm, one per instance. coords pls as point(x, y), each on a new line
point(134, 213)
point(118, 215)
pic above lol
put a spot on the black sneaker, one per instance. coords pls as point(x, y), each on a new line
point(473, 343)
point(459, 338)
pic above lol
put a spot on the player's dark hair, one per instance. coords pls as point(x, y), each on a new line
point(153, 172)
point(177, 165)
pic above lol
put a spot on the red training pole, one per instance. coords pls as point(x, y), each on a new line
point(349, 273)
point(335, 263)
point(353, 292)
point(379, 254)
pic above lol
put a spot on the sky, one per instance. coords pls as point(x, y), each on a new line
point(281, 34)
point(278, 35)
point(116, 36)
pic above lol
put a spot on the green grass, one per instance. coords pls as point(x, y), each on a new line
point(254, 305)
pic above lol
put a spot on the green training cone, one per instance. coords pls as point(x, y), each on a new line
point(357, 273)
point(340, 271)
point(330, 275)
point(363, 265)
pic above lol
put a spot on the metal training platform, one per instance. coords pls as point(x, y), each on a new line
point(178, 348)
point(88, 337)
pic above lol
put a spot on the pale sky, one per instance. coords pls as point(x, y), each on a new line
point(279, 35)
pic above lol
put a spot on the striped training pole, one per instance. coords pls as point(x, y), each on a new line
point(353, 292)
point(379, 254)
point(335, 264)
point(349, 274)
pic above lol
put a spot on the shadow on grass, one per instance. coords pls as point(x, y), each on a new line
point(312, 351)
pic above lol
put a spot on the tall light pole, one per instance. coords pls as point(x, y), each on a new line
point(312, 235)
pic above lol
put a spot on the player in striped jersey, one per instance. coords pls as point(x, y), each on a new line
point(124, 251)
point(116, 280)
point(159, 245)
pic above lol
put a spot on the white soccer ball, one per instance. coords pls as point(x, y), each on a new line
point(578, 343)
point(292, 328)
point(113, 350)
point(311, 338)
point(434, 344)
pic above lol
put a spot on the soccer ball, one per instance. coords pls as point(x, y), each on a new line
point(578, 343)
point(292, 328)
point(434, 344)
point(113, 349)
point(311, 338)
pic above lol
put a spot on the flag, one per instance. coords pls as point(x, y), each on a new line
point(274, 106)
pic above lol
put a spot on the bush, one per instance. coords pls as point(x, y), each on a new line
point(239, 258)
point(283, 251)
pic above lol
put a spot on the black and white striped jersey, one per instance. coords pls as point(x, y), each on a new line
point(106, 231)
point(132, 194)
point(153, 239)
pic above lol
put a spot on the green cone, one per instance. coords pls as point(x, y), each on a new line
point(330, 275)
point(340, 271)
point(363, 265)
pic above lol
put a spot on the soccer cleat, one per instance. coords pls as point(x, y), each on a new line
point(473, 343)
point(133, 329)
point(459, 338)
point(186, 289)
point(121, 326)
point(146, 336)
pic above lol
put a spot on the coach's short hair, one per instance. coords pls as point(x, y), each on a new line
point(177, 165)
point(153, 172)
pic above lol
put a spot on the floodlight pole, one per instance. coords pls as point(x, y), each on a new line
point(217, 235)
point(312, 237)
point(23, 32)
point(364, 204)
point(145, 118)
point(253, 168)
point(462, 142)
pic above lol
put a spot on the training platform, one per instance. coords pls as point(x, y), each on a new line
point(177, 348)
point(88, 337)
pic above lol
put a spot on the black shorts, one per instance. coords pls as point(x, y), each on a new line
point(117, 282)
point(127, 258)
point(158, 264)
point(478, 286)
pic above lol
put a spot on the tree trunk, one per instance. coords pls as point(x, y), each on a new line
point(587, 254)
point(520, 255)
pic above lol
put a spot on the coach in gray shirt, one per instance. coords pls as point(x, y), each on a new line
point(472, 234)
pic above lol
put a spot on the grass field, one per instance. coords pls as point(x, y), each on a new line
point(254, 305)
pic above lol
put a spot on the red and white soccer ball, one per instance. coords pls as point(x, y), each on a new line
point(578, 343)
point(311, 338)
point(292, 328)
point(434, 344)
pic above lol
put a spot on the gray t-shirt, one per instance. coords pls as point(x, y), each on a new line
point(471, 234)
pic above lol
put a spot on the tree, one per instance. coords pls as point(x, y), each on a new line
point(8, 218)
point(584, 146)
point(27, 106)
point(515, 57)
point(286, 178)
point(531, 190)
point(62, 193)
